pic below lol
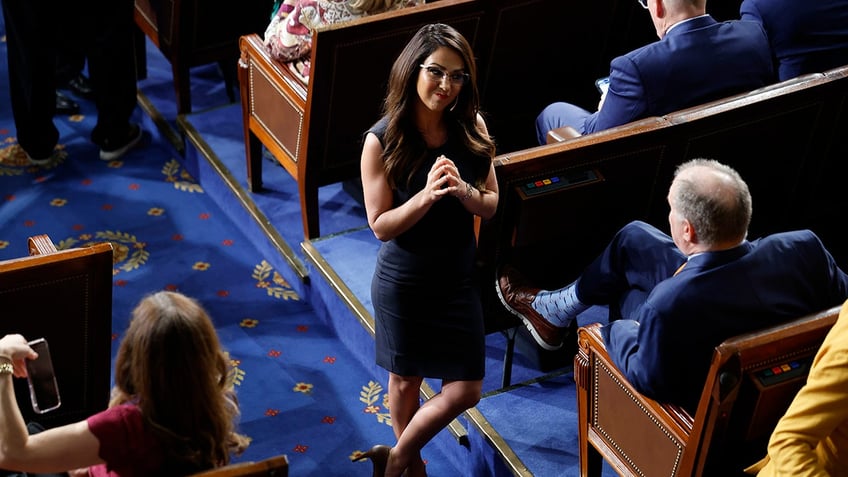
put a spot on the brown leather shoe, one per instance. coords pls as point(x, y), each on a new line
point(517, 296)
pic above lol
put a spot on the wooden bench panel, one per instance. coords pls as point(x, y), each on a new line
point(276, 466)
point(653, 443)
point(528, 42)
point(785, 125)
point(826, 201)
point(65, 297)
point(777, 138)
point(278, 112)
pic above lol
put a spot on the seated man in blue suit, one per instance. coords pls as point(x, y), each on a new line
point(696, 60)
point(673, 299)
point(805, 36)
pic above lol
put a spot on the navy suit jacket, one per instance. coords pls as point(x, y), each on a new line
point(664, 347)
point(806, 36)
point(699, 60)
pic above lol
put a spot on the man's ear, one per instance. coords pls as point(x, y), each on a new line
point(689, 233)
point(659, 8)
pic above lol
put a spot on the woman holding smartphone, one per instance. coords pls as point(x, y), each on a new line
point(171, 349)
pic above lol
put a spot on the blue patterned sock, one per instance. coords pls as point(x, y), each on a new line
point(559, 307)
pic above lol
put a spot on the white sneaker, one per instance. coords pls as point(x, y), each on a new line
point(39, 162)
point(116, 152)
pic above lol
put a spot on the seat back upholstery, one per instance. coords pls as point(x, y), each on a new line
point(750, 384)
point(65, 297)
point(276, 466)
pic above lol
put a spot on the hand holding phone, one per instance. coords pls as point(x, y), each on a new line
point(43, 388)
point(602, 84)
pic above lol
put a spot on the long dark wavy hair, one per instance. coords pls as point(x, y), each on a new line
point(404, 149)
point(171, 365)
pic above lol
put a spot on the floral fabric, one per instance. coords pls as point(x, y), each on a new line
point(289, 35)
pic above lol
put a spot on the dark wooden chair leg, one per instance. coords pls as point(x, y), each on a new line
point(508, 354)
point(253, 149)
point(309, 207)
point(182, 87)
point(252, 144)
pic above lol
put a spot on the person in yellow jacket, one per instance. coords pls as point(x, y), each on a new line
point(811, 439)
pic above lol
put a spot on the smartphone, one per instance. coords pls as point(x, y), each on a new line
point(43, 388)
point(602, 84)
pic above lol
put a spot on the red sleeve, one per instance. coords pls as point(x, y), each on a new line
point(126, 446)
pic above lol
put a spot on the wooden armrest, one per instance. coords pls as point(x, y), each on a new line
point(277, 466)
point(589, 339)
point(561, 134)
point(40, 245)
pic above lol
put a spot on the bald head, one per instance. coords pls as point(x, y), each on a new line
point(714, 200)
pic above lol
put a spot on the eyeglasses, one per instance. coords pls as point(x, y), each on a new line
point(436, 75)
point(644, 3)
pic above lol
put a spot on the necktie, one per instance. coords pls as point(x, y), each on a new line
point(680, 268)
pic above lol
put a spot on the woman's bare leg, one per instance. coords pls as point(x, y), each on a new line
point(404, 402)
point(433, 416)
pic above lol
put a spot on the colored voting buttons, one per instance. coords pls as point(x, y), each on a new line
point(782, 372)
point(549, 184)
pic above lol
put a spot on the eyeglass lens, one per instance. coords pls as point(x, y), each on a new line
point(437, 75)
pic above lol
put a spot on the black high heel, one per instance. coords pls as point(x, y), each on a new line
point(379, 455)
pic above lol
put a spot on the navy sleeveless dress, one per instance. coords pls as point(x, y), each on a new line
point(427, 310)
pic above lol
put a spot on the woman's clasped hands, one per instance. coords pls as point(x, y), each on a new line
point(444, 179)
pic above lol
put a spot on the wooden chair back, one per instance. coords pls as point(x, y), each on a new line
point(65, 297)
point(276, 466)
point(750, 384)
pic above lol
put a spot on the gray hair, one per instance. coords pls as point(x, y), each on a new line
point(717, 203)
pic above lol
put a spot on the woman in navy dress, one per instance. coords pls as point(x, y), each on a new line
point(426, 172)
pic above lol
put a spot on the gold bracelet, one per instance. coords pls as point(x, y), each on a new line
point(469, 191)
point(6, 368)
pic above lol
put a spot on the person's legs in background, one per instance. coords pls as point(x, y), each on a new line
point(557, 115)
point(111, 61)
point(30, 36)
point(70, 64)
